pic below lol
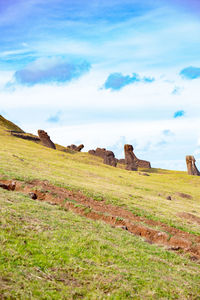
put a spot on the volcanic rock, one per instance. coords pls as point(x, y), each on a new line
point(10, 185)
point(25, 136)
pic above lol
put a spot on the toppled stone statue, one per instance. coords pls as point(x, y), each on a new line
point(76, 148)
point(92, 152)
point(140, 163)
point(45, 139)
point(144, 164)
point(109, 159)
point(191, 166)
point(108, 156)
point(100, 152)
point(131, 161)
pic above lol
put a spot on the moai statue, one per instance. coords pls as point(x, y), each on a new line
point(131, 161)
point(109, 159)
point(79, 148)
point(45, 139)
point(76, 148)
point(72, 147)
point(100, 152)
point(144, 164)
point(191, 166)
point(92, 152)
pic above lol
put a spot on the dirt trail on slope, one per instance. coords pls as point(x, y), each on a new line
point(173, 238)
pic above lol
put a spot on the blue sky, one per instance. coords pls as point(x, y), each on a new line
point(104, 73)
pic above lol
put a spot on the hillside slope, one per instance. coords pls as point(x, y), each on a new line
point(61, 252)
point(6, 124)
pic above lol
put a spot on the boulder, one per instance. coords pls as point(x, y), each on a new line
point(45, 139)
point(191, 166)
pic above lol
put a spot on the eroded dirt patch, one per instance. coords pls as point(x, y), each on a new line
point(183, 195)
point(77, 202)
point(190, 217)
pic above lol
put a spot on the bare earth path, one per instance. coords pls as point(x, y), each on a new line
point(152, 231)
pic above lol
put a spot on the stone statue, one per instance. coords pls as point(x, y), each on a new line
point(109, 159)
point(108, 156)
point(76, 148)
point(130, 159)
point(191, 166)
point(45, 139)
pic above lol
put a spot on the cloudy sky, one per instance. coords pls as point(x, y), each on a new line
point(105, 73)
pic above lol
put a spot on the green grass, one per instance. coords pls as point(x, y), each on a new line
point(25, 160)
point(49, 253)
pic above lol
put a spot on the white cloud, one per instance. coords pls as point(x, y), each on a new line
point(152, 105)
point(86, 92)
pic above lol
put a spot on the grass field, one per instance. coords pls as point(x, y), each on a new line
point(50, 253)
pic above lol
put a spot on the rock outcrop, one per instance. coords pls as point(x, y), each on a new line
point(76, 148)
point(25, 136)
point(45, 139)
point(108, 156)
point(131, 161)
point(191, 166)
point(109, 159)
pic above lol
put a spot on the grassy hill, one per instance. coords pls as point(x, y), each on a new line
point(76, 251)
point(6, 124)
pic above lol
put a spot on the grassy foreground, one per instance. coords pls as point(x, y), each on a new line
point(49, 253)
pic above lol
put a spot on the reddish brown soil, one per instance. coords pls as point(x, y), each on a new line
point(173, 238)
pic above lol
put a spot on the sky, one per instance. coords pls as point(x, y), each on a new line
point(105, 73)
